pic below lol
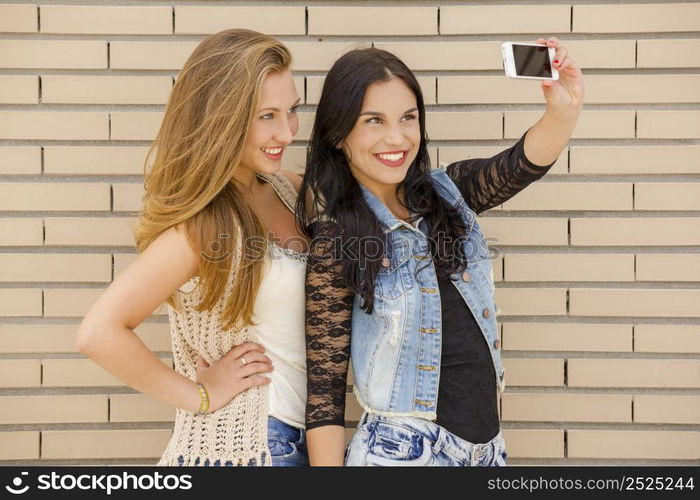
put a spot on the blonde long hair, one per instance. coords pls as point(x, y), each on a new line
point(197, 149)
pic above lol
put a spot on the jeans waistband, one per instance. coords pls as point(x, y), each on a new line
point(441, 438)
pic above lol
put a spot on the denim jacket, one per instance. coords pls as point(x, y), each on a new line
point(396, 350)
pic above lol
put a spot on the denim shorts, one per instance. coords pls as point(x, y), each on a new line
point(287, 447)
point(287, 444)
point(410, 441)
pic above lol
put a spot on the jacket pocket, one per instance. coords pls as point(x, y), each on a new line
point(394, 277)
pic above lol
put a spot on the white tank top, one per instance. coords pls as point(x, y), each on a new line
point(280, 327)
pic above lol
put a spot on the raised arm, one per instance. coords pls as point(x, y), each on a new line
point(487, 182)
point(328, 322)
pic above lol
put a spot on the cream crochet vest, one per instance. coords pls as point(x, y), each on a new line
point(238, 431)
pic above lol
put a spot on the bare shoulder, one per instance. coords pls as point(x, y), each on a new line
point(166, 264)
point(175, 239)
point(170, 260)
point(295, 179)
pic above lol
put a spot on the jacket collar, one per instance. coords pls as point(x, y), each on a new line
point(386, 218)
point(445, 189)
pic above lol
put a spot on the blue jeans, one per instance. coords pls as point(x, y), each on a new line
point(287, 447)
point(287, 444)
point(410, 441)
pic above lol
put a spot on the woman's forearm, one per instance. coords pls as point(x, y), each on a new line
point(547, 138)
point(326, 445)
point(122, 353)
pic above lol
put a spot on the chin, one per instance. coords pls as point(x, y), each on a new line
point(268, 167)
point(394, 176)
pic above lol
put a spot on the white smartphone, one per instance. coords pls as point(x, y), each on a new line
point(529, 60)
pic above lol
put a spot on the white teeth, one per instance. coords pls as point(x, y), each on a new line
point(272, 151)
point(391, 157)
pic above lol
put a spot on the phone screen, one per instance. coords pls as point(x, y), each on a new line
point(531, 61)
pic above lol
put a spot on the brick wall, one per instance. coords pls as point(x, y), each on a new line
point(600, 261)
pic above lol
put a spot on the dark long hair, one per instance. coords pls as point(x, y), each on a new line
point(339, 210)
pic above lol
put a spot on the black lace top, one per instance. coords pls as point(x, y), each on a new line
point(484, 184)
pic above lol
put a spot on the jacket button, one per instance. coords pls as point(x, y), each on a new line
point(485, 313)
point(386, 262)
point(465, 276)
point(497, 344)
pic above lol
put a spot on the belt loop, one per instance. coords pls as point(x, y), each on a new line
point(363, 420)
point(477, 453)
point(440, 441)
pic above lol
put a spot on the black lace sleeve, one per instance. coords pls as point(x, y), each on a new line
point(488, 182)
point(328, 325)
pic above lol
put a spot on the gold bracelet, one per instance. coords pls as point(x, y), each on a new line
point(204, 398)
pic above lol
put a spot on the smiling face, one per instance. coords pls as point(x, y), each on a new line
point(274, 125)
point(385, 139)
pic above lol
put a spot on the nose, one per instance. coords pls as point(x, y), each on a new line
point(286, 130)
point(394, 136)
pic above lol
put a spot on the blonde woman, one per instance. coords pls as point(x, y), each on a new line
point(218, 242)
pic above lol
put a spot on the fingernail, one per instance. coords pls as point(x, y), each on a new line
point(556, 61)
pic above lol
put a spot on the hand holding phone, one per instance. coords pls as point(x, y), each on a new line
point(531, 61)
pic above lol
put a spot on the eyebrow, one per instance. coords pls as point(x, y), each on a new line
point(298, 101)
point(377, 113)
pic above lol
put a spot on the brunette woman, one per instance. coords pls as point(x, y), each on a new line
point(401, 274)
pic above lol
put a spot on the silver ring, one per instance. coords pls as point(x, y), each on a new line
point(243, 361)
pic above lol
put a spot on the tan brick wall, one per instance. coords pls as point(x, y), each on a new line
point(598, 270)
